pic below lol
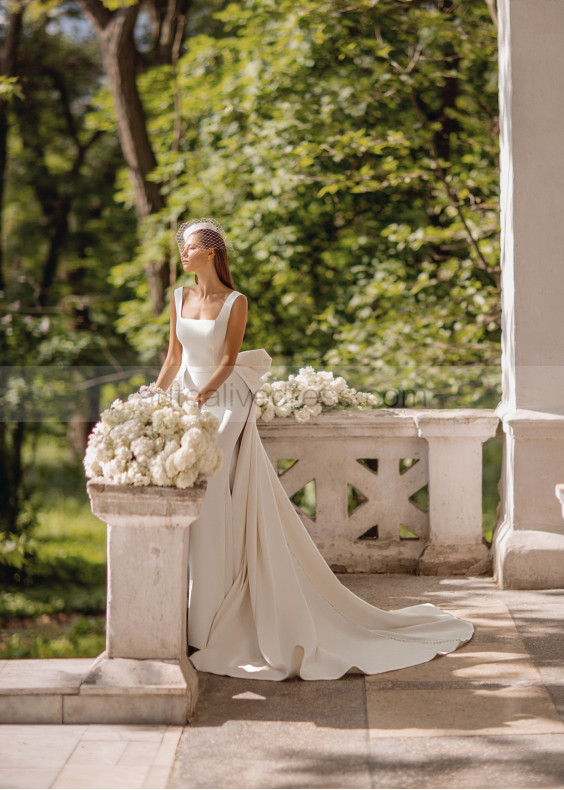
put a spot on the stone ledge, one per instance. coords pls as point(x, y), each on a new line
point(114, 499)
point(117, 709)
point(101, 690)
point(31, 708)
point(42, 675)
point(525, 423)
point(395, 423)
point(131, 676)
point(457, 560)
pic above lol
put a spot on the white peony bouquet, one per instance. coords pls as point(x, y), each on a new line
point(154, 438)
point(308, 394)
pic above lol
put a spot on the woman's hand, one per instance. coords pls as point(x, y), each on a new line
point(201, 398)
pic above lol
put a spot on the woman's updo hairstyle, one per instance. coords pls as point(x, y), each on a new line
point(209, 234)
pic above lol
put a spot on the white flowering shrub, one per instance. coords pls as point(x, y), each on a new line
point(308, 394)
point(154, 438)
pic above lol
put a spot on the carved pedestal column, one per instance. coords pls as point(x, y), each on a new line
point(144, 675)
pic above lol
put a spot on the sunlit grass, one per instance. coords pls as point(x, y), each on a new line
point(48, 636)
point(67, 526)
point(61, 591)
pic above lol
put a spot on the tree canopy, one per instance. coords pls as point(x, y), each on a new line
point(349, 148)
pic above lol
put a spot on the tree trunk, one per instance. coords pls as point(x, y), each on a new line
point(7, 69)
point(119, 57)
point(11, 434)
point(114, 30)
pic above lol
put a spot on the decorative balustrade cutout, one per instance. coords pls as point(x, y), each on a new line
point(387, 490)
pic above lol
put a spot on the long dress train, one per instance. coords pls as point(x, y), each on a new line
point(263, 602)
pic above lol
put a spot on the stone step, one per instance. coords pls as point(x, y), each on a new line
point(102, 690)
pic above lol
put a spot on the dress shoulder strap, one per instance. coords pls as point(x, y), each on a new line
point(232, 296)
point(178, 300)
point(228, 304)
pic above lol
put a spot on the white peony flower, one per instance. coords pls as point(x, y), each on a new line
point(268, 412)
point(154, 439)
point(307, 394)
point(186, 478)
point(303, 414)
point(329, 397)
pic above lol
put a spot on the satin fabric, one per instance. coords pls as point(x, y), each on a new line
point(263, 602)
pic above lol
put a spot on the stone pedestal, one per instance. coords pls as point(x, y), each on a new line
point(529, 544)
point(144, 674)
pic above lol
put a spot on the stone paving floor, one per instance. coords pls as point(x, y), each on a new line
point(490, 715)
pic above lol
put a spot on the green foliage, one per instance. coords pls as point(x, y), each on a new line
point(81, 637)
point(491, 474)
point(351, 151)
point(10, 88)
point(42, 605)
point(60, 233)
point(51, 599)
point(14, 549)
point(67, 571)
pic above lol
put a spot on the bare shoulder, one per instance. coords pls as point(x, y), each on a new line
point(239, 293)
point(240, 300)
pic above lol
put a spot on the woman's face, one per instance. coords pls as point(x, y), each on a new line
point(194, 255)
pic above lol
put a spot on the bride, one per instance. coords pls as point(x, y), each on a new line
point(263, 603)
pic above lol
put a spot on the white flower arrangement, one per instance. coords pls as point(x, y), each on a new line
point(307, 395)
point(154, 438)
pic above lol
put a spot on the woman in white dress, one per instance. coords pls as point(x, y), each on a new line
point(263, 602)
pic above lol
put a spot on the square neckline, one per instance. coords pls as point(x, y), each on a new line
point(200, 319)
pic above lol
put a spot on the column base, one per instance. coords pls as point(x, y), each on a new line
point(467, 560)
point(135, 691)
point(108, 691)
point(528, 559)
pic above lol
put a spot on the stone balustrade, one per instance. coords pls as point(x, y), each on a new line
point(417, 480)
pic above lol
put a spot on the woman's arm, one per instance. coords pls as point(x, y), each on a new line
point(233, 339)
point(173, 359)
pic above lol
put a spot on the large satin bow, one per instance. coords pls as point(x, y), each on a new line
point(252, 366)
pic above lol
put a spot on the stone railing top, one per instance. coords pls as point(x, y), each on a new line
point(387, 422)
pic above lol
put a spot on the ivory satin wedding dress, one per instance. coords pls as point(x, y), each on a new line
point(263, 602)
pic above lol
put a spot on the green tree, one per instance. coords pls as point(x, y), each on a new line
point(61, 233)
point(351, 150)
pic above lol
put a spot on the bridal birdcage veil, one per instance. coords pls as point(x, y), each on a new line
point(210, 234)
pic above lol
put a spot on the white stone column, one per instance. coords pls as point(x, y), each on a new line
point(455, 490)
point(144, 675)
point(531, 61)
